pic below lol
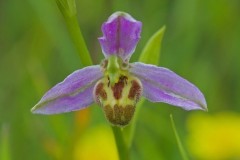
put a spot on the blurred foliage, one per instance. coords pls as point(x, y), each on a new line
point(201, 43)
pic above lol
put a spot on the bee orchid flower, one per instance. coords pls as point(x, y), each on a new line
point(117, 85)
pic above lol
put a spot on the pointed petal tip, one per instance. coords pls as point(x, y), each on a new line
point(73, 93)
point(35, 111)
point(32, 110)
point(162, 85)
point(205, 108)
point(47, 110)
point(202, 102)
point(200, 107)
point(38, 110)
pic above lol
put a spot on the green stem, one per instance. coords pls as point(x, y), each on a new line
point(180, 146)
point(129, 130)
point(69, 12)
point(77, 38)
point(121, 144)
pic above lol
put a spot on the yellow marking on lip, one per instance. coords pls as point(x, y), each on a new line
point(118, 110)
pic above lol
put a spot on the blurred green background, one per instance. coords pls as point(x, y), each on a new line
point(201, 43)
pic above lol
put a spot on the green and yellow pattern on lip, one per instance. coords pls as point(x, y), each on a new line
point(117, 92)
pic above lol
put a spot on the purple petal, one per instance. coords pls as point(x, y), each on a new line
point(163, 85)
point(74, 93)
point(121, 34)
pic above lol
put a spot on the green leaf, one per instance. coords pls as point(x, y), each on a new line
point(151, 55)
point(151, 51)
point(179, 142)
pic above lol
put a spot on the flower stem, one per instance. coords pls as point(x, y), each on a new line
point(69, 12)
point(180, 146)
point(77, 38)
point(121, 144)
point(129, 130)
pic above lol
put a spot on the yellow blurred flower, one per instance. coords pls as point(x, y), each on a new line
point(96, 144)
point(214, 137)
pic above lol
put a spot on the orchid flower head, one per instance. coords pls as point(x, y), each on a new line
point(117, 85)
